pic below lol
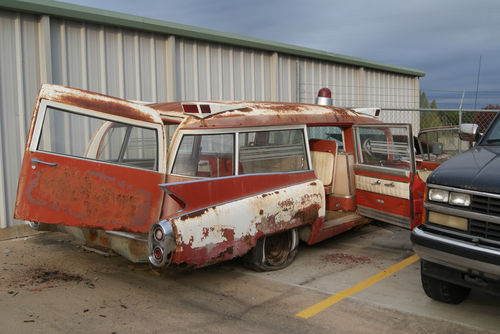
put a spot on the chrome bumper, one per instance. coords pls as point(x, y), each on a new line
point(457, 254)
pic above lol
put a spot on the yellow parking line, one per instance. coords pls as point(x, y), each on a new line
point(324, 304)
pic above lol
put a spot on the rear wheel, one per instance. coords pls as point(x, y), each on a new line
point(443, 291)
point(274, 252)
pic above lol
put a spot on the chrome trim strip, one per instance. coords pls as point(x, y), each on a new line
point(206, 179)
point(453, 260)
point(460, 190)
point(461, 213)
point(134, 236)
point(341, 196)
point(387, 217)
point(383, 170)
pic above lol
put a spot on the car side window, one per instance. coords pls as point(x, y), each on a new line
point(272, 151)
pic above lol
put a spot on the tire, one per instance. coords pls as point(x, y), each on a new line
point(273, 252)
point(443, 291)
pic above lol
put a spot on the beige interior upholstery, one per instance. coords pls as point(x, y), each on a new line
point(323, 163)
point(344, 174)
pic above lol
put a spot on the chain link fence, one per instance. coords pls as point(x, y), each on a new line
point(430, 118)
point(436, 118)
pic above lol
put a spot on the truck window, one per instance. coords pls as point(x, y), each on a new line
point(208, 155)
point(326, 132)
point(72, 134)
point(272, 151)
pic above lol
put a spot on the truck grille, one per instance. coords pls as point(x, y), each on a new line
point(486, 205)
point(485, 230)
point(489, 206)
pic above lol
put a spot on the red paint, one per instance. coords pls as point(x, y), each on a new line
point(395, 205)
point(334, 203)
point(205, 193)
point(84, 193)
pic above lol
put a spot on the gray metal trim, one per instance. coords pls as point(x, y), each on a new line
point(461, 213)
point(134, 236)
point(383, 170)
point(453, 260)
point(390, 218)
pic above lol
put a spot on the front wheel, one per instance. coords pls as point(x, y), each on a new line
point(443, 291)
point(274, 252)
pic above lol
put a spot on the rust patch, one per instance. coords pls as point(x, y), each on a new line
point(228, 234)
point(286, 203)
point(193, 214)
point(98, 102)
point(308, 214)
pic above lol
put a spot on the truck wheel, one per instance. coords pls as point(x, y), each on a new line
point(443, 291)
point(273, 252)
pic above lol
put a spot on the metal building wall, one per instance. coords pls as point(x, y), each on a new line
point(151, 66)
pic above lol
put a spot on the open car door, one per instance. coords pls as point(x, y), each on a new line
point(92, 161)
point(385, 170)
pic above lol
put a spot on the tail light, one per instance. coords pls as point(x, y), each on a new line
point(161, 243)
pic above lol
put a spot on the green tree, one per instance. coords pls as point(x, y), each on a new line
point(429, 119)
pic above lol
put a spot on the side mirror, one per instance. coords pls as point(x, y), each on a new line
point(469, 132)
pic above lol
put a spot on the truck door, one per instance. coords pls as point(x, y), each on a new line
point(384, 172)
point(92, 161)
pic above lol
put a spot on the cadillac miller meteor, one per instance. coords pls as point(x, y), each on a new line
point(204, 182)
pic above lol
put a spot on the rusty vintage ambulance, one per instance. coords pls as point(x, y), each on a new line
point(199, 183)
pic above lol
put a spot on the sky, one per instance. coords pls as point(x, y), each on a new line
point(453, 41)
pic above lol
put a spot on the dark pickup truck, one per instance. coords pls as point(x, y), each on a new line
point(459, 242)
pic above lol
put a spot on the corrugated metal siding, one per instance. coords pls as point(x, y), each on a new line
point(147, 66)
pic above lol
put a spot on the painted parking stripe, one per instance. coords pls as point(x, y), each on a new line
point(324, 304)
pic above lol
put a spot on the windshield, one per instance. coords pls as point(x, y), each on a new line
point(492, 137)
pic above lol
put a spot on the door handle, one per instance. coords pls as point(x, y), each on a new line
point(389, 184)
point(35, 161)
point(375, 183)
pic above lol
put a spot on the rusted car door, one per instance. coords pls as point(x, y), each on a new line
point(92, 161)
point(384, 172)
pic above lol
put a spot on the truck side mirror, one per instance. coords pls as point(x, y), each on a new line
point(469, 132)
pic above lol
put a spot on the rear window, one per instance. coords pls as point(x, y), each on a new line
point(86, 136)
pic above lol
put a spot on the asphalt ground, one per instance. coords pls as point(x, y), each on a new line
point(364, 281)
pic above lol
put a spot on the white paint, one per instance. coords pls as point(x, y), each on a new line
point(243, 216)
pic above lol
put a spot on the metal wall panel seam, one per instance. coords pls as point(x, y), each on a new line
point(208, 72)
point(219, 64)
point(20, 110)
point(121, 64)
point(137, 63)
point(84, 57)
point(103, 62)
point(171, 60)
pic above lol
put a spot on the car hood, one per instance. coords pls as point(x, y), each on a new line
point(476, 169)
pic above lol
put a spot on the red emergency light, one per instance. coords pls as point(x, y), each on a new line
point(324, 97)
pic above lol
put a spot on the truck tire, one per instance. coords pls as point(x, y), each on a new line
point(443, 291)
point(273, 252)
